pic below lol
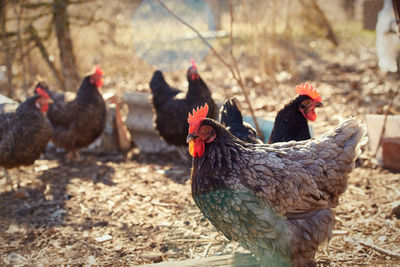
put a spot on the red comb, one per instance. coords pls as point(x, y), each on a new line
point(98, 71)
point(197, 117)
point(307, 89)
point(194, 65)
point(40, 91)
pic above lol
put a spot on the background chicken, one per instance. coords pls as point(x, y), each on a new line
point(25, 133)
point(171, 110)
point(232, 119)
point(291, 121)
point(78, 123)
point(275, 200)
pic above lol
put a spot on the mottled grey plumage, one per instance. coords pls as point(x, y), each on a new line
point(23, 135)
point(276, 200)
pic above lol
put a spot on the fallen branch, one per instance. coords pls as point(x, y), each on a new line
point(380, 250)
point(235, 71)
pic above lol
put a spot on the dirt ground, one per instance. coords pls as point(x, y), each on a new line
point(108, 212)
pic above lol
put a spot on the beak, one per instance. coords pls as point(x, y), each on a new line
point(190, 137)
point(319, 104)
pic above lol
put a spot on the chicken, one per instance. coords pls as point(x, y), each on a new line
point(274, 199)
point(232, 119)
point(387, 37)
point(291, 121)
point(171, 106)
point(78, 123)
point(25, 133)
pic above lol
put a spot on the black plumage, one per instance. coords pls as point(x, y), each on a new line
point(232, 119)
point(171, 106)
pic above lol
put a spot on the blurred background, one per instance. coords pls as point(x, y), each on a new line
point(274, 41)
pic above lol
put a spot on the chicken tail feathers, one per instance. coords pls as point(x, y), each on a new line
point(160, 89)
point(349, 136)
point(230, 113)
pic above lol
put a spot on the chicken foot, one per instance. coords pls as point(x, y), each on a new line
point(73, 155)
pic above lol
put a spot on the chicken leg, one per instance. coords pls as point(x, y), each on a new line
point(73, 155)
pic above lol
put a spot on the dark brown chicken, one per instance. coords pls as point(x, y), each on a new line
point(171, 106)
point(25, 133)
point(275, 199)
point(291, 121)
point(78, 123)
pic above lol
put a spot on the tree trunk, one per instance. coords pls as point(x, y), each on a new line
point(8, 52)
point(67, 56)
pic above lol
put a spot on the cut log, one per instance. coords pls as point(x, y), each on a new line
point(140, 124)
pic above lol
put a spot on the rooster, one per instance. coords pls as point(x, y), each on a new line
point(171, 106)
point(78, 123)
point(291, 121)
point(232, 119)
point(275, 199)
point(25, 133)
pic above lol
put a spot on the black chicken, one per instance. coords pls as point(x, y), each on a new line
point(25, 133)
point(291, 121)
point(78, 123)
point(171, 106)
point(232, 119)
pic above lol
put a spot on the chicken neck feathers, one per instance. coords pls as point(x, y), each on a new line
point(290, 124)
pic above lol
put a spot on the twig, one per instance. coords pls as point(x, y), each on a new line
point(235, 71)
point(207, 249)
point(385, 120)
point(239, 79)
point(198, 34)
point(380, 250)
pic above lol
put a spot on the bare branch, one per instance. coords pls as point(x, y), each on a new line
point(77, 2)
point(198, 34)
point(27, 18)
point(239, 79)
point(35, 5)
point(39, 44)
point(383, 251)
point(235, 70)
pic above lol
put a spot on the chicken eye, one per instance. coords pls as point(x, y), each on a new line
point(206, 129)
point(305, 103)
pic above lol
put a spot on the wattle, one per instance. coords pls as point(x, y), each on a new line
point(196, 148)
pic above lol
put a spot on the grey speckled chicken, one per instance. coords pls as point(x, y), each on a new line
point(275, 199)
point(25, 133)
